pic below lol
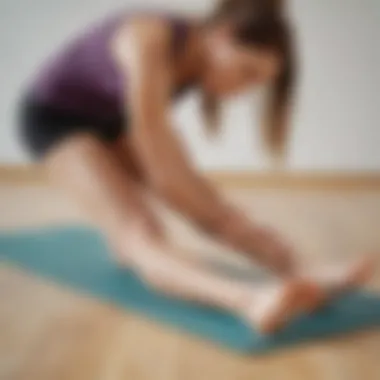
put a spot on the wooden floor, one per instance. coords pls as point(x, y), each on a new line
point(49, 333)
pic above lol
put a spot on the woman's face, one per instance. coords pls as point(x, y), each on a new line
point(232, 67)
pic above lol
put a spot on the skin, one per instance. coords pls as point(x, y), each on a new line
point(143, 54)
point(112, 181)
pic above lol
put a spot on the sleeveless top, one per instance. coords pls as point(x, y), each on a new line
point(83, 77)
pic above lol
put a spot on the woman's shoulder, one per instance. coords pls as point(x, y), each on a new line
point(155, 26)
point(153, 31)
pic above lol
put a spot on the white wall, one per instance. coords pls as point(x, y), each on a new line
point(338, 114)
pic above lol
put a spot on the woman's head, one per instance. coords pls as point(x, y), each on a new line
point(249, 43)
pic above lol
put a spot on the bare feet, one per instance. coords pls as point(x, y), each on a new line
point(273, 306)
point(336, 279)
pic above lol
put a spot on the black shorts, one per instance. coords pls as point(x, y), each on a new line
point(43, 126)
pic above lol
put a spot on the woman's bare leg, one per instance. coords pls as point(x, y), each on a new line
point(88, 170)
point(331, 280)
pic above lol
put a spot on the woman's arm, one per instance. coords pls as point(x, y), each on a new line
point(144, 54)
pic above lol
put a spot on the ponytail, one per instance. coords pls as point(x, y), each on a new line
point(262, 22)
point(278, 107)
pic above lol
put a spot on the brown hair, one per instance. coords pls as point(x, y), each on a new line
point(262, 23)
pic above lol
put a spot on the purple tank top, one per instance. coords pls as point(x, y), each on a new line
point(83, 76)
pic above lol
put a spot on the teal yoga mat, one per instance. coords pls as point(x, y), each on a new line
point(77, 257)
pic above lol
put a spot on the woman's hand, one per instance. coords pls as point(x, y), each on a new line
point(257, 242)
point(274, 251)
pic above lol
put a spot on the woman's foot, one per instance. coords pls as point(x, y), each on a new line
point(273, 306)
point(336, 279)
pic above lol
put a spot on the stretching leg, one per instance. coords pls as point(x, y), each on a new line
point(331, 279)
point(89, 171)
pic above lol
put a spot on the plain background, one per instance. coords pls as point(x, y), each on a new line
point(336, 125)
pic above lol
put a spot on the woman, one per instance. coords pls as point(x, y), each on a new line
point(98, 118)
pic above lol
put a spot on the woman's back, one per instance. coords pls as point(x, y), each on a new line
point(83, 77)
